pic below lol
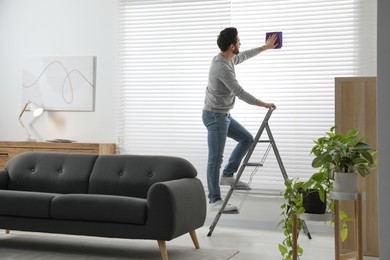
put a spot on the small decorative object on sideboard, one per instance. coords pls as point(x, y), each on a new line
point(61, 141)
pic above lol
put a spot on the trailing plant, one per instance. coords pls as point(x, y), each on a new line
point(293, 204)
point(293, 195)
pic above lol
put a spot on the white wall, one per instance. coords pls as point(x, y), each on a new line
point(384, 127)
point(59, 28)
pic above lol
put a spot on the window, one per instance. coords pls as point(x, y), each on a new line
point(165, 53)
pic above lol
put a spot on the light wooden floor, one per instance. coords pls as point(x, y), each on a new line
point(261, 244)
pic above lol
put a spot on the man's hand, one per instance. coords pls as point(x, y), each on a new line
point(270, 105)
point(270, 43)
point(261, 103)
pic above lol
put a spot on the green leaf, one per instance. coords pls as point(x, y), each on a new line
point(343, 216)
point(280, 222)
point(298, 185)
point(362, 146)
point(321, 160)
point(287, 182)
point(321, 193)
point(367, 155)
point(352, 133)
point(282, 249)
point(317, 177)
point(307, 184)
point(343, 233)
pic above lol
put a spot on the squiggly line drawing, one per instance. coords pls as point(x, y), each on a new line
point(67, 78)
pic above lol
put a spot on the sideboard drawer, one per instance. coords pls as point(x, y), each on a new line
point(8, 153)
point(4, 157)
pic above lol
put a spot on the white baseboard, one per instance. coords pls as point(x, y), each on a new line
point(317, 227)
point(262, 212)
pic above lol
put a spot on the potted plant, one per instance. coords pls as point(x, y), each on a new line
point(343, 157)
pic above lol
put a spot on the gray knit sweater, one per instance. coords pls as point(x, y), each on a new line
point(223, 86)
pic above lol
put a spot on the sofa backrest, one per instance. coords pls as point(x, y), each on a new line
point(132, 175)
point(50, 172)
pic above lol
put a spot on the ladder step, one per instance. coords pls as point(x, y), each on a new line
point(231, 212)
point(264, 141)
point(254, 164)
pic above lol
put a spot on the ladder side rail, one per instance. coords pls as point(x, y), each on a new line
point(283, 170)
point(257, 137)
point(264, 125)
point(268, 115)
point(216, 218)
point(253, 146)
point(277, 154)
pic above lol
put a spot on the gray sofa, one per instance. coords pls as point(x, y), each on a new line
point(122, 196)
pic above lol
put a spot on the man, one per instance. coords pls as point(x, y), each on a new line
point(221, 91)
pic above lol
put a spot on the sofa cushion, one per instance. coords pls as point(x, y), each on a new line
point(50, 172)
point(25, 204)
point(132, 175)
point(94, 207)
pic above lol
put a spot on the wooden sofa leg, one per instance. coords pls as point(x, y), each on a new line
point(194, 239)
point(163, 249)
point(7, 231)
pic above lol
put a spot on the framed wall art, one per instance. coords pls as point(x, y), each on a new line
point(60, 82)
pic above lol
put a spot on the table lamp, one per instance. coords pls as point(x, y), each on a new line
point(35, 110)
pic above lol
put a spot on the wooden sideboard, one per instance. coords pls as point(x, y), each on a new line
point(10, 149)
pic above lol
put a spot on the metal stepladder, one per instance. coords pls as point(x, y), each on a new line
point(246, 163)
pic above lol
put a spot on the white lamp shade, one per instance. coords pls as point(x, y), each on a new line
point(35, 110)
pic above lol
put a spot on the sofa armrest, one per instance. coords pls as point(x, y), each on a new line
point(3, 179)
point(175, 208)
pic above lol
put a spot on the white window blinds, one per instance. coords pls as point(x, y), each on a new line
point(165, 53)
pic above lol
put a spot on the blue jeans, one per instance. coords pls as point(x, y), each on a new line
point(219, 127)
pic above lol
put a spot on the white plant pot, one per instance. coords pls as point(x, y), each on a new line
point(346, 182)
